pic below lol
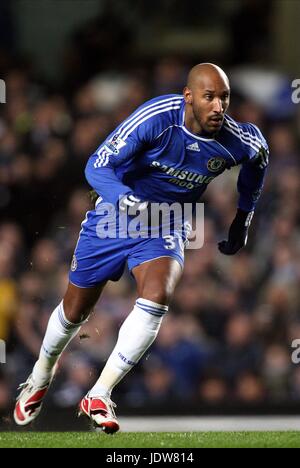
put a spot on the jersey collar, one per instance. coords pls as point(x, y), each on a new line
point(193, 134)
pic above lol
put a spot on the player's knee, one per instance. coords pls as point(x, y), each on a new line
point(159, 293)
point(76, 315)
point(78, 302)
point(75, 312)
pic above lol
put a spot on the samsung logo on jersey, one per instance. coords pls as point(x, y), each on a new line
point(183, 178)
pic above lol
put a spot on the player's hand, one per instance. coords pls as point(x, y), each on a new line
point(238, 233)
point(132, 205)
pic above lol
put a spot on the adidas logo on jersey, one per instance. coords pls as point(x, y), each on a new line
point(193, 147)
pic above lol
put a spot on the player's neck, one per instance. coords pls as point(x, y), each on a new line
point(194, 127)
point(192, 124)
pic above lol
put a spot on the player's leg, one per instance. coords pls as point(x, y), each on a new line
point(95, 261)
point(156, 281)
point(64, 324)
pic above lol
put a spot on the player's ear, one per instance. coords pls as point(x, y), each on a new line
point(187, 93)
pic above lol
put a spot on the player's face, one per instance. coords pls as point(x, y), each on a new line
point(209, 101)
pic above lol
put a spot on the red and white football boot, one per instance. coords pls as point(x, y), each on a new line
point(101, 412)
point(29, 402)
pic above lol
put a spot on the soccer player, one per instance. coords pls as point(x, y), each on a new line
point(168, 150)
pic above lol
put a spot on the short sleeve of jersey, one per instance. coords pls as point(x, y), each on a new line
point(138, 132)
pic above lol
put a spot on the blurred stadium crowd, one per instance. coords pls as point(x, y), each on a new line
point(227, 337)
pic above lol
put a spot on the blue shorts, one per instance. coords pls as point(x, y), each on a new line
point(98, 259)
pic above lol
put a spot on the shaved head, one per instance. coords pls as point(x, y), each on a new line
point(207, 98)
point(204, 71)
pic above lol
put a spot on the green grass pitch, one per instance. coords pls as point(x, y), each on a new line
point(149, 439)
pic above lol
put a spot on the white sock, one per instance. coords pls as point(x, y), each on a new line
point(136, 334)
point(58, 334)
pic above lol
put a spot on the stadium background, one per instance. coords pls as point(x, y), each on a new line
point(75, 69)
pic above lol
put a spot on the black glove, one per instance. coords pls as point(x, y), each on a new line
point(132, 205)
point(238, 233)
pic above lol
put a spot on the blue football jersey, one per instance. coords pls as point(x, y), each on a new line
point(153, 155)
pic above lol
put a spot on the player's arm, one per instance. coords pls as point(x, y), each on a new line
point(249, 185)
point(100, 173)
point(100, 169)
point(120, 149)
